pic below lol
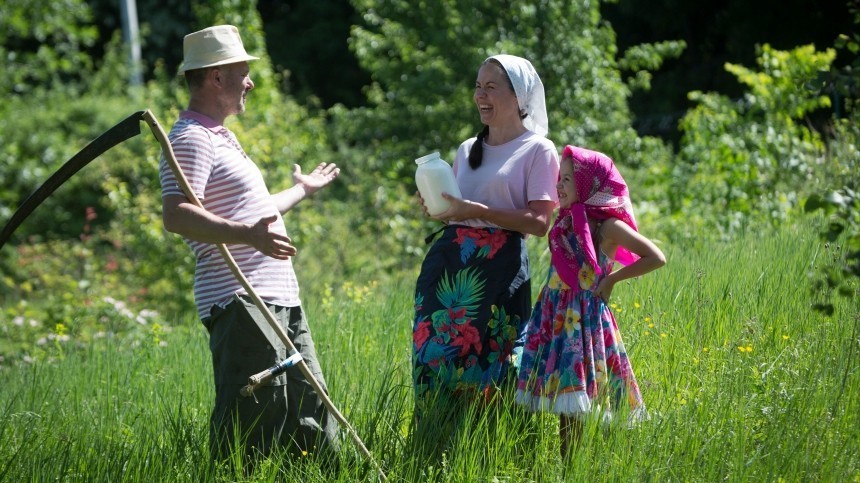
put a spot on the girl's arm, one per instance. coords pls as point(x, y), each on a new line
point(616, 233)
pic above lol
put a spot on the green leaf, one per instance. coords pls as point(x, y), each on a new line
point(815, 202)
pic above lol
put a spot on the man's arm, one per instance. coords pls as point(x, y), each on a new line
point(184, 218)
point(305, 185)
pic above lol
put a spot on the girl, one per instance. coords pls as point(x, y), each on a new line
point(574, 362)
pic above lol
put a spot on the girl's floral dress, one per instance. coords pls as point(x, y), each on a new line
point(574, 361)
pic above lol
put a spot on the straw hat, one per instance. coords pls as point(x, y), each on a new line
point(213, 46)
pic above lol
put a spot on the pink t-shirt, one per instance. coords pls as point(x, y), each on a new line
point(510, 176)
point(230, 186)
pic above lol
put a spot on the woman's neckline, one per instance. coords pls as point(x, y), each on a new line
point(515, 138)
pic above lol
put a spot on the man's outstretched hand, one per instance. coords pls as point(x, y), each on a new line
point(321, 176)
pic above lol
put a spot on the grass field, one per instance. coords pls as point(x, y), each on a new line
point(744, 382)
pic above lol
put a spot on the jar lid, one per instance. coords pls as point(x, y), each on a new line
point(429, 157)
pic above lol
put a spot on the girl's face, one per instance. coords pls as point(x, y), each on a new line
point(496, 101)
point(566, 185)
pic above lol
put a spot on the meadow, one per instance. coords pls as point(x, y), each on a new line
point(743, 382)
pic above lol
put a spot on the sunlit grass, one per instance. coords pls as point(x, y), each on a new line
point(742, 379)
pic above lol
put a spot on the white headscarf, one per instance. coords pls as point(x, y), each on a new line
point(529, 91)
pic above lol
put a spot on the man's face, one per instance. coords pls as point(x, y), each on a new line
point(237, 83)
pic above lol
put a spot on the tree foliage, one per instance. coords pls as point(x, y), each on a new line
point(840, 271)
point(424, 60)
point(66, 84)
point(43, 44)
point(839, 196)
point(754, 157)
point(308, 45)
point(714, 33)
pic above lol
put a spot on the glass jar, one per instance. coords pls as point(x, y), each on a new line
point(434, 176)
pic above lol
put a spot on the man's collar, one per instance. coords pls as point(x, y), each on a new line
point(203, 119)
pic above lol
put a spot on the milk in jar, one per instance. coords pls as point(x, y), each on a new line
point(434, 176)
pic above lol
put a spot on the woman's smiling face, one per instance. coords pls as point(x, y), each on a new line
point(566, 185)
point(496, 100)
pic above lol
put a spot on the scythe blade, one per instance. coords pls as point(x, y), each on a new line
point(126, 129)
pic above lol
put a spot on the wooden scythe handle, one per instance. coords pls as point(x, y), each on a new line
point(159, 133)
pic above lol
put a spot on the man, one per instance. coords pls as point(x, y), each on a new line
point(240, 211)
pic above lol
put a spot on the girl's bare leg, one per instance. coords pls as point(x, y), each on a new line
point(569, 432)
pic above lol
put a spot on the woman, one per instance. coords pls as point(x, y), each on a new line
point(473, 295)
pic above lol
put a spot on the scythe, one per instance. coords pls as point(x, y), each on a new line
point(127, 129)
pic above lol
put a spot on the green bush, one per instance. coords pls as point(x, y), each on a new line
point(752, 159)
point(100, 237)
point(44, 43)
point(424, 65)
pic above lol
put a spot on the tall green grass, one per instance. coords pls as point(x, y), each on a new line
point(742, 380)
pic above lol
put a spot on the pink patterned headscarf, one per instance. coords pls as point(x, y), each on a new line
point(602, 194)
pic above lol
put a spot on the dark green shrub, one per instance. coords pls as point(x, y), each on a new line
point(753, 158)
